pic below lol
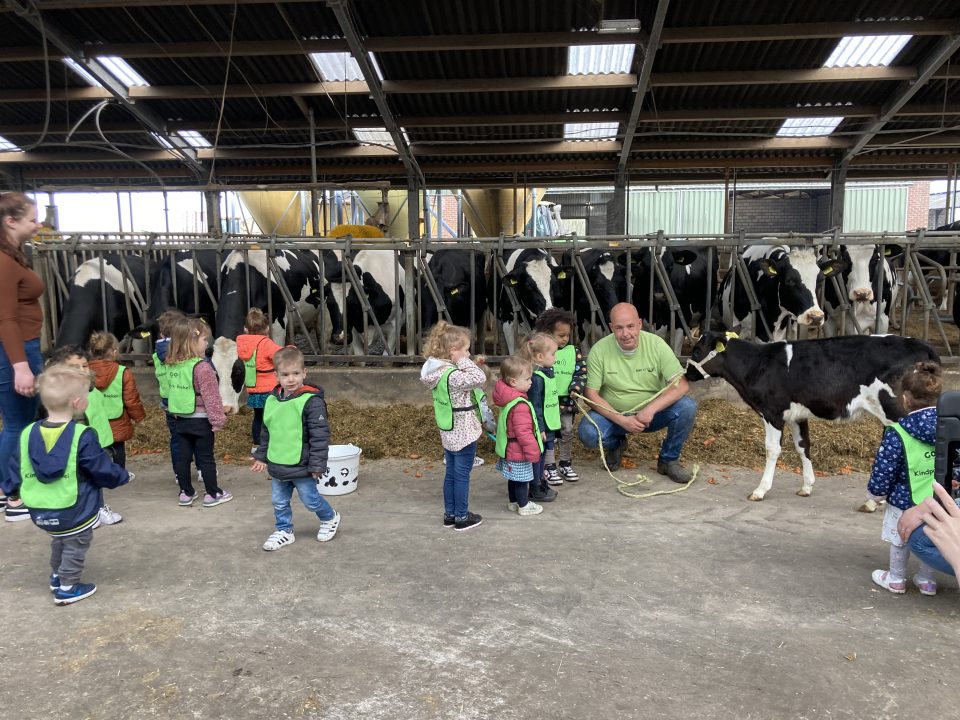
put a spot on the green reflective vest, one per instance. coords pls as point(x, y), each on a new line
point(563, 368)
point(56, 495)
point(250, 368)
point(551, 401)
point(160, 370)
point(501, 444)
point(284, 421)
point(113, 396)
point(182, 399)
point(97, 418)
point(443, 405)
point(920, 465)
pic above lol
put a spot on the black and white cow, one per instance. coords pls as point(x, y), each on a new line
point(861, 264)
point(688, 273)
point(534, 278)
point(300, 270)
point(451, 272)
point(785, 280)
point(101, 290)
point(787, 383)
point(609, 283)
point(381, 277)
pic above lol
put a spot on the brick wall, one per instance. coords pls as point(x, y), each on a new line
point(777, 214)
point(918, 205)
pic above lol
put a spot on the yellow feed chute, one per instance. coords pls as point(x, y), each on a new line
point(357, 231)
point(491, 212)
point(279, 212)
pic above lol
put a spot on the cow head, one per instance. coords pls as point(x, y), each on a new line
point(796, 274)
point(706, 358)
point(862, 262)
point(536, 283)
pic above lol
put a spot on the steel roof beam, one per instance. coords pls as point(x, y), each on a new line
point(112, 88)
point(341, 9)
point(906, 90)
point(643, 82)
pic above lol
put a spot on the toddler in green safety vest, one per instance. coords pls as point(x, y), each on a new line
point(519, 440)
point(60, 471)
point(95, 414)
point(540, 349)
point(294, 443)
point(456, 382)
point(903, 472)
point(570, 376)
point(255, 351)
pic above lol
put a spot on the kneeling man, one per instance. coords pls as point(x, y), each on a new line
point(624, 370)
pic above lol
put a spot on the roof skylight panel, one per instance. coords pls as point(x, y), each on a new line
point(599, 59)
point(194, 139)
point(867, 50)
point(377, 136)
point(336, 66)
point(7, 146)
point(808, 126)
point(590, 131)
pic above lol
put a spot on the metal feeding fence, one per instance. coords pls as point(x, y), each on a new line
point(926, 284)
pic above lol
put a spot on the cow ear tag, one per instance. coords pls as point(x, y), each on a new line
point(887, 252)
point(455, 291)
point(828, 270)
point(720, 346)
point(144, 334)
point(513, 281)
point(770, 270)
point(732, 336)
point(561, 275)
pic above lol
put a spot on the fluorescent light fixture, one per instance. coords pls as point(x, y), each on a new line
point(599, 59)
point(376, 66)
point(808, 126)
point(336, 66)
point(116, 66)
point(7, 146)
point(194, 139)
point(590, 131)
point(82, 72)
point(866, 50)
point(162, 140)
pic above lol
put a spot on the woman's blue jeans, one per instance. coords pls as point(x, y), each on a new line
point(677, 418)
point(456, 480)
point(17, 411)
point(926, 551)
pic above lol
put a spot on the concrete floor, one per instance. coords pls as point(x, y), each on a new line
point(694, 605)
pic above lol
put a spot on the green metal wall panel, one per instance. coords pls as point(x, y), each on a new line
point(675, 211)
point(701, 212)
point(875, 209)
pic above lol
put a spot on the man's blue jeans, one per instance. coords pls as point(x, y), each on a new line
point(456, 480)
point(926, 551)
point(309, 496)
point(16, 410)
point(677, 418)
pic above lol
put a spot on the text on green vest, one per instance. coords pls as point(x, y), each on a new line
point(56, 495)
point(551, 401)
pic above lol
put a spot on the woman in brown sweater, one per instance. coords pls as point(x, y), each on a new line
point(20, 321)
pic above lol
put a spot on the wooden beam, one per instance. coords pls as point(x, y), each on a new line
point(807, 31)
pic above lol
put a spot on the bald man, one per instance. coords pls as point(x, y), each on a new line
point(624, 370)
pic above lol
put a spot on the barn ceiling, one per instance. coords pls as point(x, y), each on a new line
point(470, 92)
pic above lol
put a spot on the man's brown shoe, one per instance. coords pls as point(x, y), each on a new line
point(673, 470)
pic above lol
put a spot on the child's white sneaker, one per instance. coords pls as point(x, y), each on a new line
point(328, 528)
point(109, 516)
point(885, 580)
point(531, 508)
point(278, 539)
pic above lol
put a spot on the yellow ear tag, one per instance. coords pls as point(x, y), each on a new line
point(513, 281)
point(772, 270)
point(455, 291)
point(720, 346)
point(144, 334)
point(887, 252)
point(828, 270)
point(732, 335)
point(561, 275)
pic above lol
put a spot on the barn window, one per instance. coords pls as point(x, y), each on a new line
point(599, 59)
point(377, 136)
point(194, 139)
point(590, 131)
point(808, 126)
point(336, 66)
point(866, 50)
point(7, 146)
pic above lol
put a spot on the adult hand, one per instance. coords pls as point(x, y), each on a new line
point(645, 416)
point(631, 424)
point(910, 520)
point(258, 466)
point(943, 525)
point(24, 382)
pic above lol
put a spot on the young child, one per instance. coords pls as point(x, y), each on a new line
point(293, 449)
point(121, 401)
point(165, 325)
point(255, 350)
point(456, 382)
point(903, 472)
point(570, 376)
point(519, 442)
point(94, 417)
point(194, 401)
point(540, 350)
point(60, 469)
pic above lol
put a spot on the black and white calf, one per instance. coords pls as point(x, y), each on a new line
point(785, 280)
point(862, 264)
point(300, 271)
point(694, 283)
point(787, 383)
point(451, 270)
point(534, 278)
point(102, 291)
point(609, 283)
point(381, 278)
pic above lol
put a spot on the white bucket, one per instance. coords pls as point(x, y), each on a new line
point(343, 464)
